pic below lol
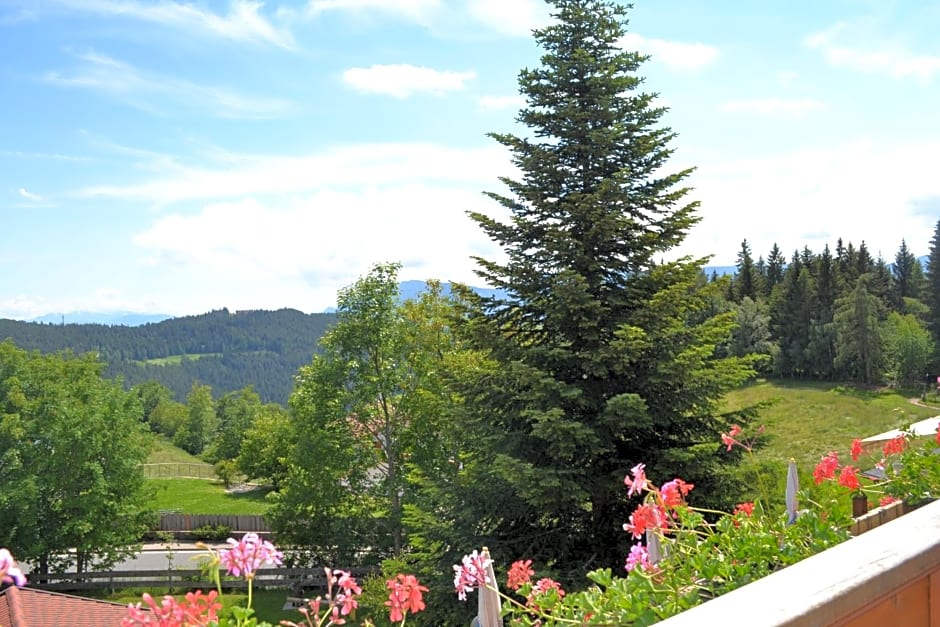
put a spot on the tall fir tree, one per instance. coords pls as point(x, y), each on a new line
point(605, 358)
point(932, 290)
point(904, 279)
point(791, 313)
point(776, 264)
point(747, 275)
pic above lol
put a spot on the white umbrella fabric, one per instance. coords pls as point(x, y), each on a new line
point(793, 486)
point(653, 547)
point(489, 605)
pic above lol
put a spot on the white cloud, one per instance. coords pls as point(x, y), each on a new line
point(675, 55)
point(403, 80)
point(498, 103)
point(894, 61)
point(28, 195)
point(295, 229)
point(510, 17)
point(146, 89)
point(416, 10)
point(773, 106)
point(859, 191)
point(244, 21)
point(299, 253)
point(248, 175)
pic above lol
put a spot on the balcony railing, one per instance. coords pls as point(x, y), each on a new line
point(887, 576)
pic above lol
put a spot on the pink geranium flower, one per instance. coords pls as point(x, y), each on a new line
point(248, 555)
point(470, 574)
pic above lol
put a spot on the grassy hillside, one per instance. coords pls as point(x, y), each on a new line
point(197, 496)
point(805, 420)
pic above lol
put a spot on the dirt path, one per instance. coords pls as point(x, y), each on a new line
point(920, 403)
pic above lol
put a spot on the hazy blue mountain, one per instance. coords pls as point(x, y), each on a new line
point(123, 318)
point(410, 289)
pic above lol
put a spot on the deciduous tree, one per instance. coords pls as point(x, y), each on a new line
point(72, 446)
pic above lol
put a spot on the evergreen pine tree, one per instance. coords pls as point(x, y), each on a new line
point(746, 277)
point(932, 289)
point(604, 357)
point(903, 271)
point(776, 264)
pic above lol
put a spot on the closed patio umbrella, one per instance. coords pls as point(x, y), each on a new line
point(489, 605)
point(793, 486)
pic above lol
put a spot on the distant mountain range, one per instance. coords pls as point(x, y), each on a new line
point(407, 290)
point(123, 318)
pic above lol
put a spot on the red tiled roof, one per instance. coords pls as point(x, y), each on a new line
point(29, 607)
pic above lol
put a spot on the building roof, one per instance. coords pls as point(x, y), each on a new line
point(30, 607)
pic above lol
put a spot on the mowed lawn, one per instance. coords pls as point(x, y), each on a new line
point(198, 496)
point(805, 420)
point(201, 496)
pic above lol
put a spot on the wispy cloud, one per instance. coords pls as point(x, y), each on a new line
point(415, 10)
point(510, 17)
point(53, 156)
point(895, 61)
point(33, 200)
point(498, 103)
point(139, 88)
point(28, 195)
point(243, 22)
point(675, 55)
point(773, 106)
point(403, 80)
point(247, 175)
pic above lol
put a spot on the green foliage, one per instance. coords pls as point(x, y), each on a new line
point(226, 470)
point(932, 290)
point(859, 344)
point(72, 446)
point(265, 446)
point(604, 356)
point(908, 348)
point(365, 411)
point(212, 533)
point(235, 414)
point(201, 422)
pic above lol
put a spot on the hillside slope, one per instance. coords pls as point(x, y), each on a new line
point(222, 349)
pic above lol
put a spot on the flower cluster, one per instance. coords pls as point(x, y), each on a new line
point(405, 596)
point(848, 475)
point(246, 556)
point(195, 610)
point(10, 573)
point(520, 573)
point(335, 606)
point(654, 512)
point(733, 438)
point(470, 574)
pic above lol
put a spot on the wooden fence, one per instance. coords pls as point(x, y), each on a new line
point(179, 470)
point(237, 523)
point(297, 580)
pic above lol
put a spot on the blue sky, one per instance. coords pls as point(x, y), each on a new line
point(177, 157)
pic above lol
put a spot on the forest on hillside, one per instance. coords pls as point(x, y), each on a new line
point(834, 315)
point(838, 315)
point(222, 349)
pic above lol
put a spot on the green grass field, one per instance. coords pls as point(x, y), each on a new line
point(805, 420)
point(175, 360)
point(164, 452)
point(199, 496)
